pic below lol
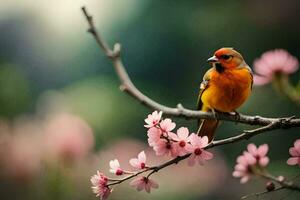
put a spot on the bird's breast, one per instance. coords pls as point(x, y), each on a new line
point(227, 90)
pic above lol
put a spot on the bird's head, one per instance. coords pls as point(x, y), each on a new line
point(228, 58)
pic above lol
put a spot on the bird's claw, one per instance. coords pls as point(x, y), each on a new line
point(214, 113)
point(235, 113)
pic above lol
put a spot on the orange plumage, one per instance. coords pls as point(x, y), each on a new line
point(225, 87)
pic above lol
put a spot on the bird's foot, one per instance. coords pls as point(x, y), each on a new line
point(235, 113)
point(215, 114)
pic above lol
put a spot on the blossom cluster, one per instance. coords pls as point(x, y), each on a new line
point(27, 144)
point(101, 182)
point(254, 160)
point(273, 62)
point(164, 142)
point(295, 154)
point(251, 161)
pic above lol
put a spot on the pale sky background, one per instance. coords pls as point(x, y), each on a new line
point(59, 24)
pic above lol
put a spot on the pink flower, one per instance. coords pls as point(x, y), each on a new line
point(100, 188)
point(259, 153)
point(163, 147)
point(181, 140)
point(167, 125)
point(196, 149)
point(253, 159)
point(141, 183)
point(22, 158)
point(68, 138)
point(139, 162)
point(153, 119)
point(272, 62)
point(115, 167)
point(153, 136)
point(295, 153)
point(243, 167)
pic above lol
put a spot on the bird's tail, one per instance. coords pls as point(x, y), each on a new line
point(207, 127)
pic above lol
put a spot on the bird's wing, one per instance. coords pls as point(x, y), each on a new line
point(251, 80)
point(251, 73)
point(204, 84)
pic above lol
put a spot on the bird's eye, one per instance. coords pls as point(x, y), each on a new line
point(225, 57)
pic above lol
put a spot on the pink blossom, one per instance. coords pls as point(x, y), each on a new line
point(115, 167)
point(272, 62)
point(67, 138)
point(100, 188)
point(22, 159)
point(141, 183)
point(167, 125)
point(153, 119)
point(139, 162)
point(280, 178)
point(295, 153)
point(254, 158)
point(243, 167)
point(153, 136)
point(163, 147)
point(181, 139)
point(259, 153)
point(196, 149)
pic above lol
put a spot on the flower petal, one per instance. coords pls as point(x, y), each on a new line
point(134, 163)
point(204, 141)
point(114, 164)
point(192, 160)
point(183, 133)
point(206, 155)
point(245, 179)
point(292, 161)
point(294, 152)
point(262, 150)
point(237, 174)
point(142, 157)
point(152, 183)
point(264, 161)
point(173, 136)
point(252, 149)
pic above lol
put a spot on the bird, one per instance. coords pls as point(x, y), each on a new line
point(225, 87)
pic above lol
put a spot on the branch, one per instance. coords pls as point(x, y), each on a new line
point(283, 183)
point(243, 136)
point(247, 134)
point(127, 86)
point(261, 193)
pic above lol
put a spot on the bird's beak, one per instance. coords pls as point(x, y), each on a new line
point(213, 59)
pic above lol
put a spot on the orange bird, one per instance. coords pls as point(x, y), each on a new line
point(225, 87)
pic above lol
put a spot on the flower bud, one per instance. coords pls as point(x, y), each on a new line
point(270, 186)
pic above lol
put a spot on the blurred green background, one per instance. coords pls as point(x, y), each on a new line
point(48, 62)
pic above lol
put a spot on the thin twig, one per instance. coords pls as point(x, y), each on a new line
point(244, 135)
point(284, 183)
point(118, 181)
point(261, 193)
point(247, 134)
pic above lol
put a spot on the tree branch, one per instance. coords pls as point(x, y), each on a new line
point(243, 136)
point(283, 183)
point(257, 194)
point(178, 111)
